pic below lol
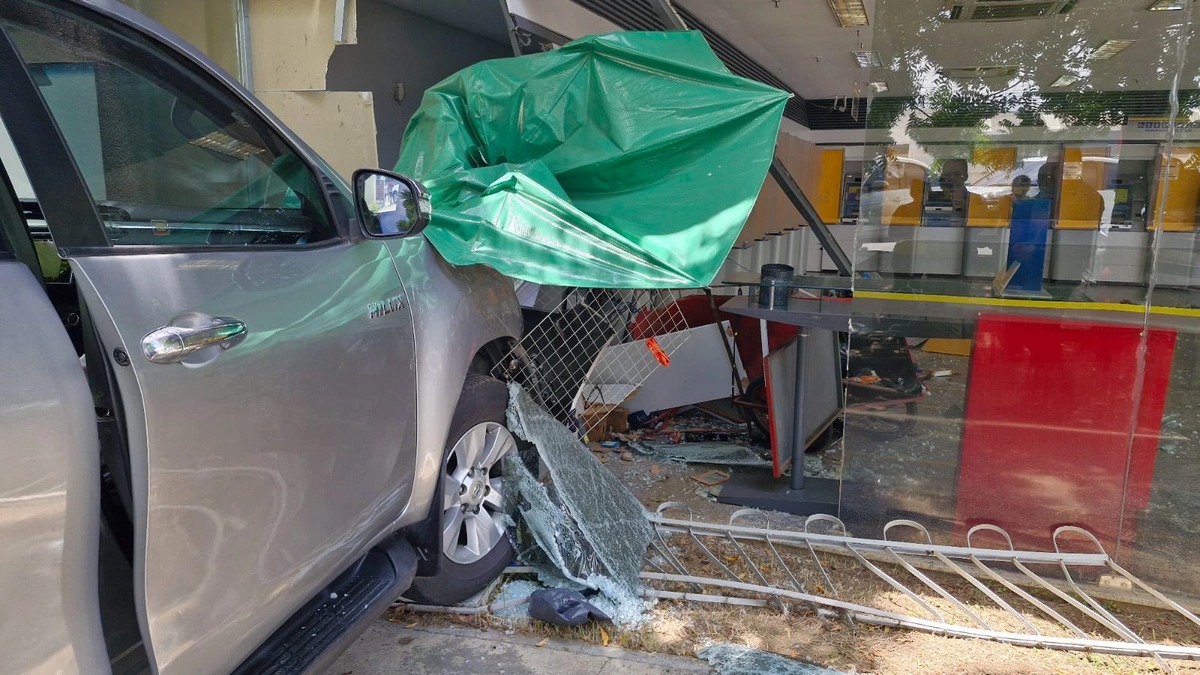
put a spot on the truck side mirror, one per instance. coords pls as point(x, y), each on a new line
point(389, 204)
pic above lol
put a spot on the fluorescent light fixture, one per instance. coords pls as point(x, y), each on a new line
point(221, 142)
point(849, 12)
point(1064, 81)
point(1166, 5)
point(1109, 49)
point(867, 59)
point(878, 87)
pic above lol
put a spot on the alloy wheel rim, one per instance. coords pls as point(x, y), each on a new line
point(473, 517)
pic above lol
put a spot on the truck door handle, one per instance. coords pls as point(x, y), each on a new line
point(174, 343)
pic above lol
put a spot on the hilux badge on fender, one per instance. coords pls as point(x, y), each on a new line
point(385, 307)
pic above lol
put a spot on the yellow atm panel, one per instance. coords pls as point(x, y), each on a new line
point(992, 210)
point(1179, 179)
point(904, 189)
point(909, 212)
point(1080, 205)
point(828, 200)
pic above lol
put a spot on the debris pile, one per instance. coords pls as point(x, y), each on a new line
point(695, 436)
point(583, 530)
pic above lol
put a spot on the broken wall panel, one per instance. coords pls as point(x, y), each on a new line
point(292, 43)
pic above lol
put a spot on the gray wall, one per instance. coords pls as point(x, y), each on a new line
point(395, 45)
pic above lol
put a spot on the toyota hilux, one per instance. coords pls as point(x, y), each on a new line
point(244, 405)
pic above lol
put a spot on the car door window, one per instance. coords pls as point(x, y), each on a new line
point(169, 158)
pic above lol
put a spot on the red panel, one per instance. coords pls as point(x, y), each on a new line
point(694, 308)
point(1050, 407)
point(777, 466)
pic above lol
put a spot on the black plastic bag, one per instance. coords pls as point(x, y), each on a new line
point(563, 607)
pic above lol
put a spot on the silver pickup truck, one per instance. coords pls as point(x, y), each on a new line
point(243, 405)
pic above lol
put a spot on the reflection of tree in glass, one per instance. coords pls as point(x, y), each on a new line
point(410, 206)
point(978, 109)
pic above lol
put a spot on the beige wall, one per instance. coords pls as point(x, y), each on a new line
point(773, 212)
point(339, 125)
point(292, 41)
point(290, 45)
point(209, 25)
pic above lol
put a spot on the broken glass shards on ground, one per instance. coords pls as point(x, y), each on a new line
point(588, 528)
point(730, 659)
point(728, 454)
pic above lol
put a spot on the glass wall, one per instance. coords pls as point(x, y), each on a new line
point(1026, 251)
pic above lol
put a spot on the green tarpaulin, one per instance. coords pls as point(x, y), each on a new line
point(628, 160)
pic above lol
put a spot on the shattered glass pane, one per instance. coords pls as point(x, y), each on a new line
point(729, 659)
point(549, 541)
point(589, 525)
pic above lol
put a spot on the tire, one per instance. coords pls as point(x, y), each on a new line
point(475, 546)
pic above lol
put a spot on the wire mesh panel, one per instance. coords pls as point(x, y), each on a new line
point(594, 350)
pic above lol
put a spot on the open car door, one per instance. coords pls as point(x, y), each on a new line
point(49, 508)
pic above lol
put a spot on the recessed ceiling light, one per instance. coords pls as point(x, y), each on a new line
point(1064, 81)
point(849, 12)
point(1109, 49)
point(1166, 5)
point(878, 87)
point(867, 59)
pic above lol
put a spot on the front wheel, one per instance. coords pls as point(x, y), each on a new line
point(474, 540)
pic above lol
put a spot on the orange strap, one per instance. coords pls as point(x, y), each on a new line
point(658, 352)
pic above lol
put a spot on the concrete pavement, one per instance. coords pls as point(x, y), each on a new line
point(387, 648)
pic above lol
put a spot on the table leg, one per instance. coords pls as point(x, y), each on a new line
point(798, 435)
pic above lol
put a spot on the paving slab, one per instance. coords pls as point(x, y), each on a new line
point(386, 648)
